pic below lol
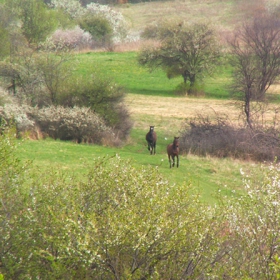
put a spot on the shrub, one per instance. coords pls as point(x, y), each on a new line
point(13, 193)
point(104, 97)
point(219, 138)
point(254, 226)
point(72, 39)
point(13, 114)
point(119, 223)
point(99, 28)
point(116, 20)
point(77, 124)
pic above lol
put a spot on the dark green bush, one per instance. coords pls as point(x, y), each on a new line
point(99, 28)
point(104, 97)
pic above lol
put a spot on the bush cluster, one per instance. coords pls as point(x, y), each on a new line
point(79, 124)
point(104, 97)
point(72, 39)
point(203, 136)
point(123, 223)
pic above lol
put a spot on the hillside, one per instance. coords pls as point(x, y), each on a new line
point(225, 15)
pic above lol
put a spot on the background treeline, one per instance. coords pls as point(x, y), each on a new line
point(38, 70)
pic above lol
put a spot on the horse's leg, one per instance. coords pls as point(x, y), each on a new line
point(173, 161)
point(154, 148)
point(177, 160)
point(169, 160)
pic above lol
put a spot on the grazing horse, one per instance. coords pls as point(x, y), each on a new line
point(173, 151)
point(151, 138)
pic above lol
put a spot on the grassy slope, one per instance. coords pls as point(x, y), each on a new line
point(124, 69)
point(207, 175)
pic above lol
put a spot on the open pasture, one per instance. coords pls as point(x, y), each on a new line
point(151, 101)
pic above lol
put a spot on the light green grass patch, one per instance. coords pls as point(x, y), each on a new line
point(207, 175)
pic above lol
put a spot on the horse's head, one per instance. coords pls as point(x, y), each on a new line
point(176, 142)
point(152, 127)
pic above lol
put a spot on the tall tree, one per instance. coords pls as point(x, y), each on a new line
point(255, 50)
point(37, 20)
point(189, 51)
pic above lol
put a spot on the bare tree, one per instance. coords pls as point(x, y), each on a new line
point(256, 59)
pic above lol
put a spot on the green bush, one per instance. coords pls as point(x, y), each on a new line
point(99, 28)
point(118, 223)
point(104, 97)
point(79, 124)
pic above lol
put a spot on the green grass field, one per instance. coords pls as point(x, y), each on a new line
point(207, 175)
point(123, 68)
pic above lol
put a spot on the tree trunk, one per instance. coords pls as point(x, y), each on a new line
point(247, 107)
point(192, 80)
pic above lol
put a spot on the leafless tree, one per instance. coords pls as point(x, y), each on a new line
point(256, 59)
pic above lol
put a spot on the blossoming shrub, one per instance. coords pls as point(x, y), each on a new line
point(14, 114)
point(125, 223)
point(116, 20)
point(252, 248)
point(73, 39)
point(79, 124)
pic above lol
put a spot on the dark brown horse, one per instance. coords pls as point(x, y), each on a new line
point(173, 151)
point(151, 138)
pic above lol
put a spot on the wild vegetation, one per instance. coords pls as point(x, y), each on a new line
point(111, 210)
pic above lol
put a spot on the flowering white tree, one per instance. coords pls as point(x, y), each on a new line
point(72, 7)
point(116, 20)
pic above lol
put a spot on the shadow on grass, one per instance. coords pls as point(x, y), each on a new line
point(153, 92)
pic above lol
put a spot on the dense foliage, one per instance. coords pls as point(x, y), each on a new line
point(123, 223)
point(37, 66)
point(186, 50)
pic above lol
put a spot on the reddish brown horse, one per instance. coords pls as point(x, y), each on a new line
point(173, 151)
point(151, 138)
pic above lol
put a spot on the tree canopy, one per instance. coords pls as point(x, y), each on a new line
point(184, 50)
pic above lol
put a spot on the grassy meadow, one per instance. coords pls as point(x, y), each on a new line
point(151, 101)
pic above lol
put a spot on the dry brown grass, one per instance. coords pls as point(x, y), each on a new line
point(169, 114)
point(224, 15)
point(139, 15)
